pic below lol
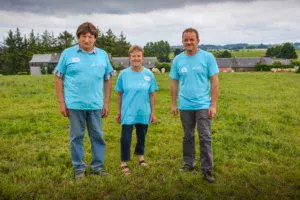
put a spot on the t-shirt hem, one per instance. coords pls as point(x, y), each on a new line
point(76, 108)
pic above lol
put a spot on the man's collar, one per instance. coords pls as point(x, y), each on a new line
point(94, 50)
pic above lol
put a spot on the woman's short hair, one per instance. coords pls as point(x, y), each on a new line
point(135, 48)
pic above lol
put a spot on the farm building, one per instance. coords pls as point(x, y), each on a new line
point(148, 62)
point(43, 63)
point(225, 64)
point(246, 64)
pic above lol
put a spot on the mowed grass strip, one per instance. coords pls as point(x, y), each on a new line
point(256, 145)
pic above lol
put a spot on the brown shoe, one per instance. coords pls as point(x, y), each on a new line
point(125, 169)
point(143, 163)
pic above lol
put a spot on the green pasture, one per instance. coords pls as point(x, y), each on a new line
point(247, 53)
point(256, 144)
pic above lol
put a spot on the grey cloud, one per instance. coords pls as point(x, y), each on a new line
point(49, 7)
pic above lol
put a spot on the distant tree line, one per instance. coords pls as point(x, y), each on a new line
point(222, 54)
point(285, 51)
point(16, 51)
point(235, 47)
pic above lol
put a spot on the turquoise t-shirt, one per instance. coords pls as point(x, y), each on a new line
point(84, 75)
point(193, 73)
point(136, 87)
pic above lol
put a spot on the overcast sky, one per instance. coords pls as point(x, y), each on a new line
point(218, 22)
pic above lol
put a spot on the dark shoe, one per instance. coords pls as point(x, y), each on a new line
point(101, 172)
point(79, 175)
point(187, 168)
point(209, 177)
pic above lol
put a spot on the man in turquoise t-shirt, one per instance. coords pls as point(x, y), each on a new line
point(194, 73)
point(81, 74)
point(136, 88)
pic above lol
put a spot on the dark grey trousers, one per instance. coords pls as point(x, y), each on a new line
point(189, 119)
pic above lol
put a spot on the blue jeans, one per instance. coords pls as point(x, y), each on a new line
point(93, 119)
point(141, 130)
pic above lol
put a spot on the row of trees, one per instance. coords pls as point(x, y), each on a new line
point(160, 49)
point(286, 50)
point(222, 54)
point(16, 51)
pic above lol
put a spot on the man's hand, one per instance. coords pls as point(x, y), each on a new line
point(63, 109)
point(118, 118)
point(174, 110)
point(105, 110)
point(152, 118)
point(212, 112)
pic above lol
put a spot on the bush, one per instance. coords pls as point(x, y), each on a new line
point(44, 70)
point(167, 66)
point(118, 67)
point(159, 66)
point(263, 67)
point(295, 63)
point(49, 70)
point(22, 73)
point(277, 64)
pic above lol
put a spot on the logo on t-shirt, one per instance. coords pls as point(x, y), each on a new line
point(184, 70)
point(76, 59)
point(197, 68)
point(147, 78)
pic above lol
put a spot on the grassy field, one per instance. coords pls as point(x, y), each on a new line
point(248, 53)
point(256, 143)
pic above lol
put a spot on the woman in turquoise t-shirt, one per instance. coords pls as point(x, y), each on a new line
point(136, 86)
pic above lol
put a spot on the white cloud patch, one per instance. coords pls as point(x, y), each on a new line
point(217, 23)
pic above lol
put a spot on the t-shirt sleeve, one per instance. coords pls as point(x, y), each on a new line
point(119, 84)
point(174, 72)
point(61, 67)
point(213, 66)
point(108, 68)
point(153, 86)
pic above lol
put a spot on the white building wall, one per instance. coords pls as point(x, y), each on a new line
point(35, 70)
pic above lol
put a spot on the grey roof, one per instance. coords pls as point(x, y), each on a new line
point(120, 61)
point(268, 60)
point(224, 62)
point(54, 58)
point(247, 62)
point(120, 58)
point(125, 61)
point(40, 58)
point(150, 59)
point(283, 61)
